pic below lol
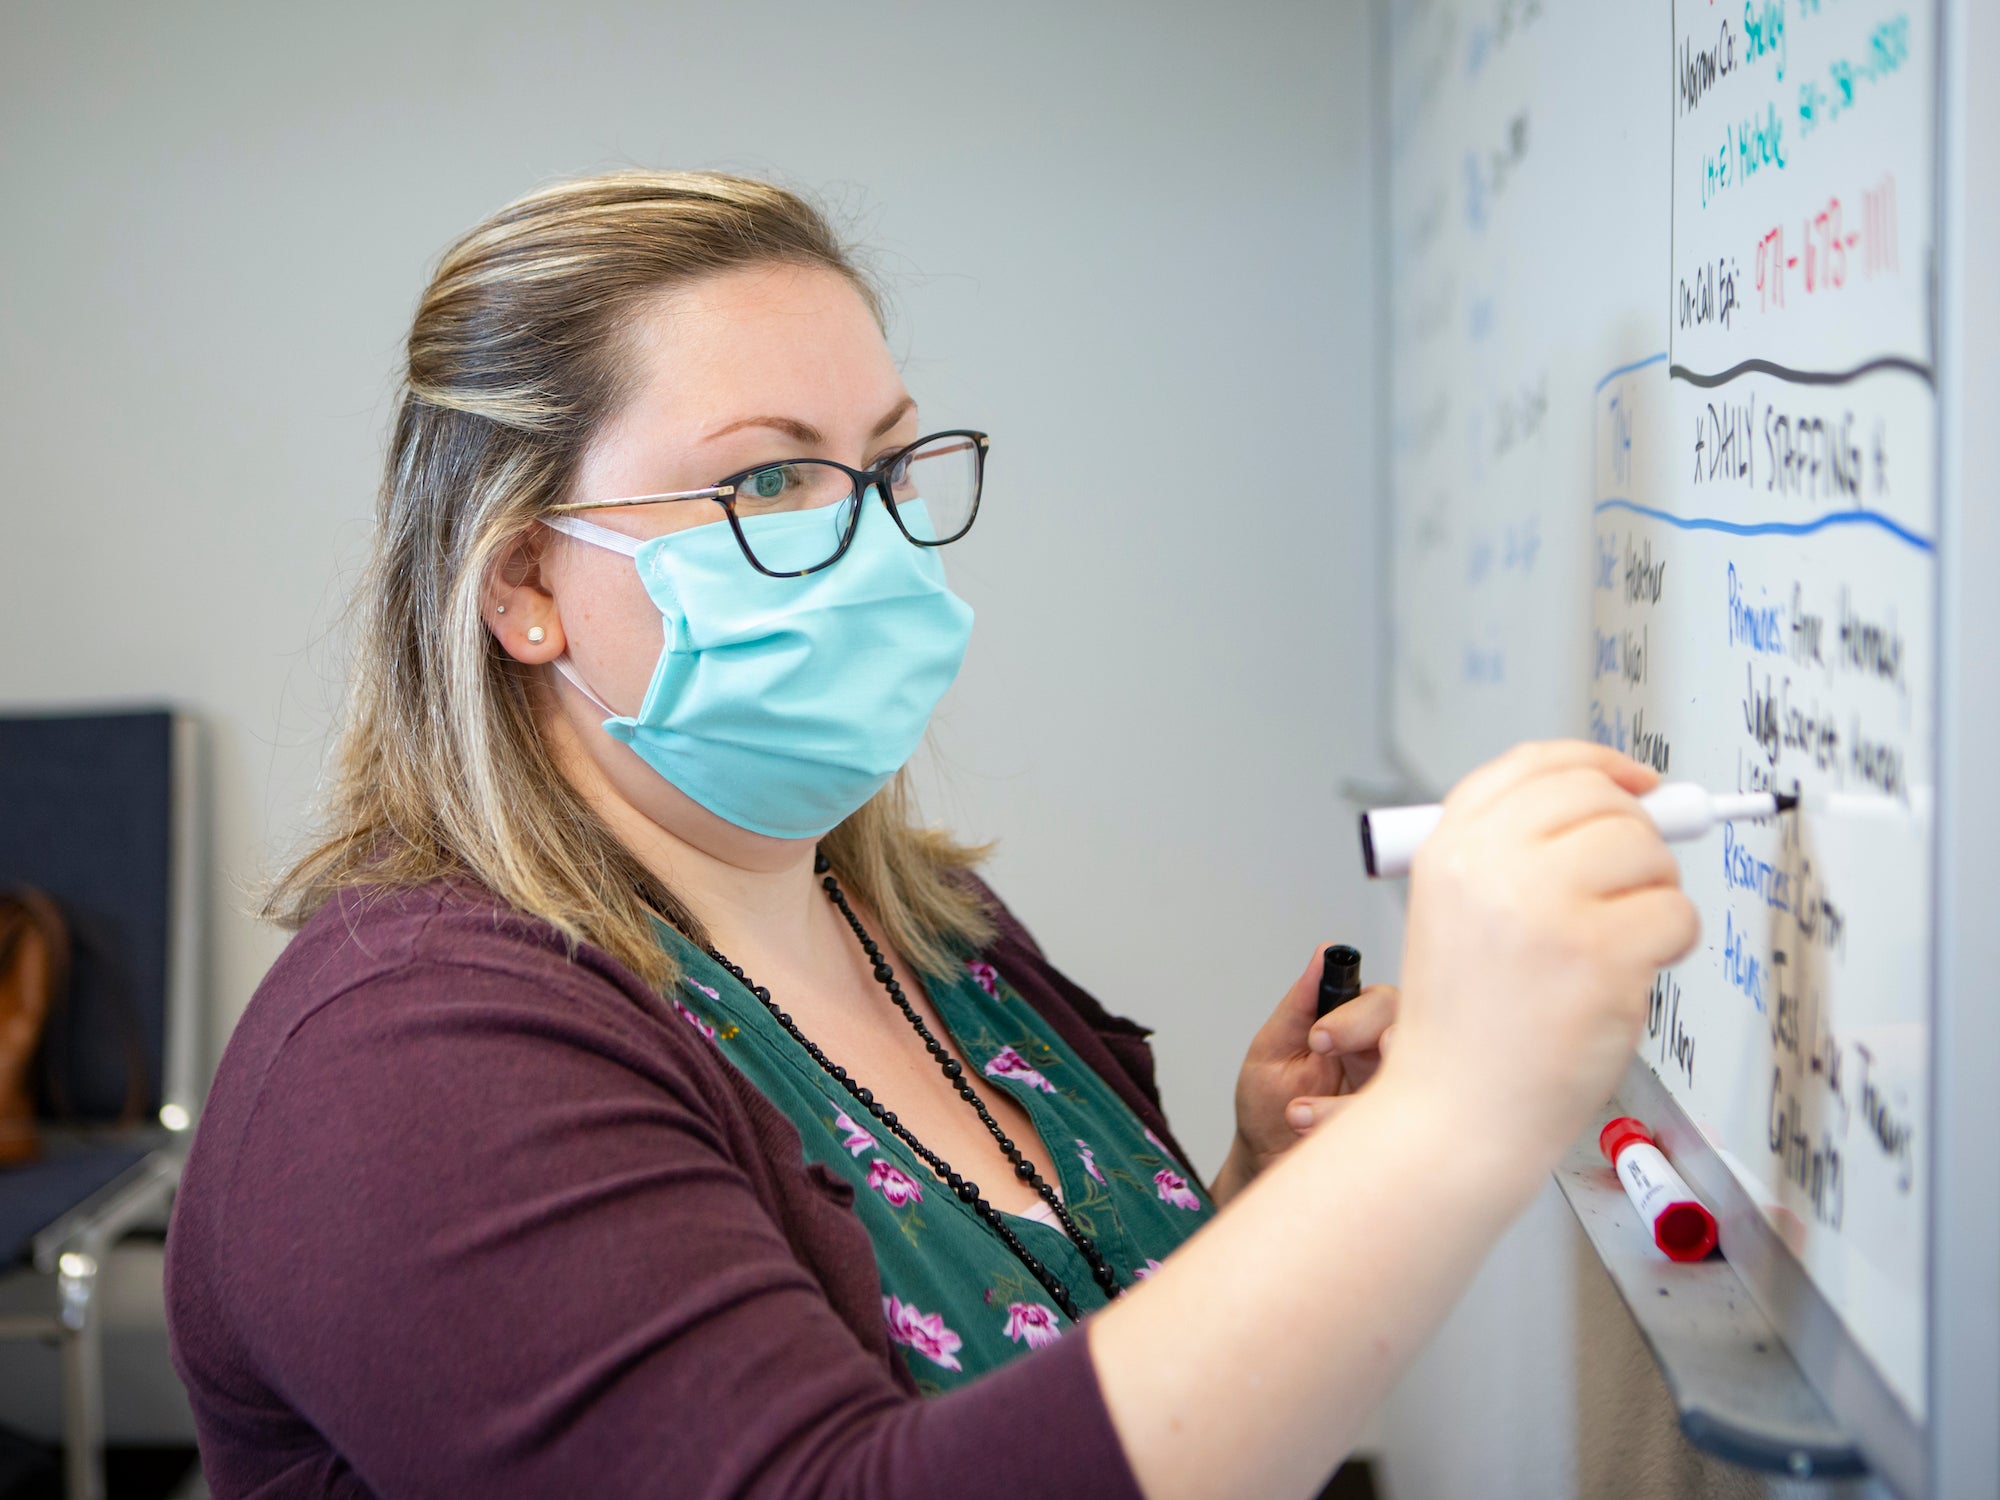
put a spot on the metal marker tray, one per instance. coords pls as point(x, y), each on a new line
point(1740, 1394)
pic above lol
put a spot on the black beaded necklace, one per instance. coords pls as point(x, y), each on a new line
point(966, 1189)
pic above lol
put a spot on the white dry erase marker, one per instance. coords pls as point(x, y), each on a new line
point(1680, 810)
point(1682, 1228)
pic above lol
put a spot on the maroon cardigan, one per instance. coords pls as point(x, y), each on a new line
point(465, 1216)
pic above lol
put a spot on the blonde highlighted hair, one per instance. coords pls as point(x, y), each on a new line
point(516, 356)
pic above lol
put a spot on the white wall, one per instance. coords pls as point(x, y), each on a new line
point(1133, 240)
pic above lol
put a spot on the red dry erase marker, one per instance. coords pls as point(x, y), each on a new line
point(1682, 1228)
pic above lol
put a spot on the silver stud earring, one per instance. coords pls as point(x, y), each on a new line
point(500, 609)
point(534, 635)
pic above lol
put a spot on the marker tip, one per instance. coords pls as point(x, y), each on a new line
point(1786, 800)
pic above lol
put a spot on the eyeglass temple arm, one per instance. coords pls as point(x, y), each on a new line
point(713, 492)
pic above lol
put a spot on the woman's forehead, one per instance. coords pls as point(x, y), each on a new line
point(780, 340)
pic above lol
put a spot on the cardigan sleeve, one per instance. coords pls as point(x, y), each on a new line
point(495, 1246)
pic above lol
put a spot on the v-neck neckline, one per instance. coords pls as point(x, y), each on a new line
point(719, 982)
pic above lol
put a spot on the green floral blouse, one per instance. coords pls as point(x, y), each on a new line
point(957, 1301)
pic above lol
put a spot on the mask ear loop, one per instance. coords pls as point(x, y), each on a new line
point(596, 536)
point(564, 665)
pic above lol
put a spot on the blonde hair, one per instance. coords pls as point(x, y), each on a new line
point(515, 358)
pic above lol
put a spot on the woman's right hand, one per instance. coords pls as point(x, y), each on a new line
point(1539, 910)
point(1248, 1363)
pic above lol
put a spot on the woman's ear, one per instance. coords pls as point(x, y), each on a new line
point(516, 603)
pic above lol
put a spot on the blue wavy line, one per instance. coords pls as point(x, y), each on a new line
point(1637, 364)
point(1774, 528)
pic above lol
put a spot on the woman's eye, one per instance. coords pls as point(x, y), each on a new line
point(767, 484)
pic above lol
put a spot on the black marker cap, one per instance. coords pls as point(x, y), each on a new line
point(1339, 977)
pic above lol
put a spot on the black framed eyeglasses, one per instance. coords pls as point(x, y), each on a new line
point(930, 488)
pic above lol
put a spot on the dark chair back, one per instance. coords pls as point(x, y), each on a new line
point(87, 814)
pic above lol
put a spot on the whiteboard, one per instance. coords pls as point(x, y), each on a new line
point(1528, 156)
point(1663, 472)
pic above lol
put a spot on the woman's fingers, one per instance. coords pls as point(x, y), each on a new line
point(1358, 1025)
point(1302, 999)
point(1296, 1014)
point(1524, 764)
point(1552, 805)
point(1576, 825)
point(1309, 1112)
point(1659, 922)
point(1538, 912)
point(1616, 854)
point(1290, 1025)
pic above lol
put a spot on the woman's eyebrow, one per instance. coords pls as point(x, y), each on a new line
point(805, 432)
point(896, 414)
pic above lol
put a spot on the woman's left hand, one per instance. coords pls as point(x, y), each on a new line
point(1299, 1072)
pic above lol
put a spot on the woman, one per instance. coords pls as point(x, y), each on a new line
point(647, 1107)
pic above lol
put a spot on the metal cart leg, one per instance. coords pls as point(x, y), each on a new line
point(83, 1376)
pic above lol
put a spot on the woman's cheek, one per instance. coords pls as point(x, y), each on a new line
point(613, 630)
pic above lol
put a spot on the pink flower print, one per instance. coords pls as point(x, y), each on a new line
point(1158, 1144)
point(1089, 1159)
point(695, 1021)
point(985, 976)
point(696, 984)
point(1007, 1063)
point(1147, 1269)
point(923, 1332)
point(1032, 1323)
point(893, 1183)
point(858, 1140)
point(1174, 1189)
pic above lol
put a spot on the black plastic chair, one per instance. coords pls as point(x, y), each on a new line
point(102, 812)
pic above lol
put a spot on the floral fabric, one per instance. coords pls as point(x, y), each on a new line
point(956, 1300)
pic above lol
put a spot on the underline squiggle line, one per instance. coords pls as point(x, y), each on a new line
point(1774, 528)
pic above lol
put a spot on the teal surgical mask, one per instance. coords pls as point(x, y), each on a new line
point(783, 704)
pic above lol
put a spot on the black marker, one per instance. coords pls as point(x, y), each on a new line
point(1339, 977)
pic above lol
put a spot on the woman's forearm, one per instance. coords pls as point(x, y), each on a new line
point(1247, 1365)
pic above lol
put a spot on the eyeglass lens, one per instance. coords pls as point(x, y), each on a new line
point(934, 487)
